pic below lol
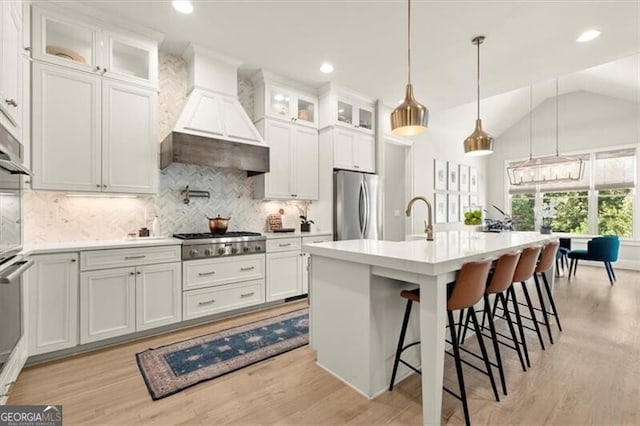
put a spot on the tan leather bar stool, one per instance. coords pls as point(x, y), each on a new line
point(500, 280)
point(545, 264)
point(467, 290)
point(524, 271)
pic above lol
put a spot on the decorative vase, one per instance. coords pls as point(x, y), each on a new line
point(305, 227)
point(544, 229)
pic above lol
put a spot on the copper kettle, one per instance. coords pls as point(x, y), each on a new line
point(218, 225)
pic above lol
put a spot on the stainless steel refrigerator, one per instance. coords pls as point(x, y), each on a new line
point(355, 206)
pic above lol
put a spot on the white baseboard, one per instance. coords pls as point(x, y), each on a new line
point(627, 264)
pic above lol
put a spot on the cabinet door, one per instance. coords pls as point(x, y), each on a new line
point(304, 272)
point(364, 153)
point(64, 41)
point(11, 52)
point(345, 113)
point(305, 164)
point(107, 304)
point(283, 275)
point(129, 143)
point(66, 129)
point(279, 138)
point(280, 103)
point(365, 118)
point(53, 303)
point(126, 58)
point(158, 295)
point(306, 111)
point(343, 146)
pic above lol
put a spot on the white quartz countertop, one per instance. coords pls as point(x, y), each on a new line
point(449, 250)
point(67, 246)
point(274, 235)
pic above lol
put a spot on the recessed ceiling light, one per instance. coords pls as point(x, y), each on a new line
point(326, 68)
point(182, 6)
point(588, 36)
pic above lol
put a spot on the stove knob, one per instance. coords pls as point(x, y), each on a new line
point(220, 251)
point(258, 248)
point(193, 252)
point(207, 252)
point(234, 250)
point(245, 249)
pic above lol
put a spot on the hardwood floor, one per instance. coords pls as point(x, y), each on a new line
point(590, 376)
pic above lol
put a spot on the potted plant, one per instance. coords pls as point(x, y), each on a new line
point(305, 224)
point(547, 213)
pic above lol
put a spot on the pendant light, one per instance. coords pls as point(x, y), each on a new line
point(479, 142)
point(550, 169)
point(410, 117)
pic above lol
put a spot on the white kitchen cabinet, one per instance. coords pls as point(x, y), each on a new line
point(107, 304)
point(284, 275)
point(345, 108)
point(293, 162)
point(11, 101)
point(158, 295)
point(352, 150)
point(92, 135)
point(53, 302)
point(78, 42)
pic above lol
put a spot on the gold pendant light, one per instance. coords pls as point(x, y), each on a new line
point(479, 142)
point(410, 117)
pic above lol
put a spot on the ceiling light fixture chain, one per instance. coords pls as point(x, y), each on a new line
point(409, 41)
point(557, 120)
point(530, 122)
point(479, 142)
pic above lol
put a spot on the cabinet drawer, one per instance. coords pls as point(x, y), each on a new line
point(317, 239)
point(212, 272)
point(213, 300)
point(115, 258)
point(283, 244)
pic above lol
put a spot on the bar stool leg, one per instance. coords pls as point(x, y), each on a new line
point(483, 350)
point(456, 356)
point(512, 330)
point(551, 301)
point(534, 319)
point(496, 346)
point(403, 332)
point(514, 300)
point(543, 306)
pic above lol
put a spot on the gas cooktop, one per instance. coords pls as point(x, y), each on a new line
point(206, 245)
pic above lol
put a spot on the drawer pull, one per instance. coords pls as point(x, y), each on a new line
point(248, 268)
point(206, 274)
point(248, 294)
point(284, 245)
point(208, 302)
point(142, 256)
point(319, 241)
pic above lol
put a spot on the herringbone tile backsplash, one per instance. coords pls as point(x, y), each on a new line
point(56, 217)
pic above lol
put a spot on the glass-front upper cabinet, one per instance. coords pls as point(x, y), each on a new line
point(64, 41)
point(354, 115)
point(290, 105)
point(74, 42)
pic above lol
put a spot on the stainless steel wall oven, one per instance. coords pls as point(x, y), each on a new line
point(12, 264)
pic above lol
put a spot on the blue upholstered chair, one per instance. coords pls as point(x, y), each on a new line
point(562, 260)
point(601, 249)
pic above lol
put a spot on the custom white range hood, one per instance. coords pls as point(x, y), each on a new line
point(213, 128)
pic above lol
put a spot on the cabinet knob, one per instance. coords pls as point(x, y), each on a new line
point(27, 49)
point(356, 166)
point(131, 273)
point(73, 260)
point(139, 273)
point(11, 102)
point(98, 186)
point(103, 71)
point(97, 68)
point(104, 186)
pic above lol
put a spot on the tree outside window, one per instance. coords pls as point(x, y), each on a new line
point(522, 211)
point(615, 212)
point(572, 211)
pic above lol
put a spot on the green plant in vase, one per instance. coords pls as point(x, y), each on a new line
point(473, 217)
point(305, 224)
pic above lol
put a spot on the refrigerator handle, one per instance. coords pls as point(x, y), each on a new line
point(367, 208)
point(361, 204)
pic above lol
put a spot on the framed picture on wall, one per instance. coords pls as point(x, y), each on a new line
point(464, 206)
point(440, 175)
point(440, 206)
point(463, 177)
point(473, 180)
point(452, 204)
point(452, 180)
point(473, 201)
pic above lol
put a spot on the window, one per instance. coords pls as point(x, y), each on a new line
point(608, 187)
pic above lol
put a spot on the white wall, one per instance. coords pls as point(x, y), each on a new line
point(588, 121)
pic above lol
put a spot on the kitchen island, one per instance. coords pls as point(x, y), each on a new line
point(356, 309)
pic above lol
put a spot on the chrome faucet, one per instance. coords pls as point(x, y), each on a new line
point(428, 224)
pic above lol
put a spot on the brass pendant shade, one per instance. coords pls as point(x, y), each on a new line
point(479, 142)
point(410, 117)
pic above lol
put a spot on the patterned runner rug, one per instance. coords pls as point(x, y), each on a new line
point(177, 366)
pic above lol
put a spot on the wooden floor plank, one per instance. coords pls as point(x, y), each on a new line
point(590, 376)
